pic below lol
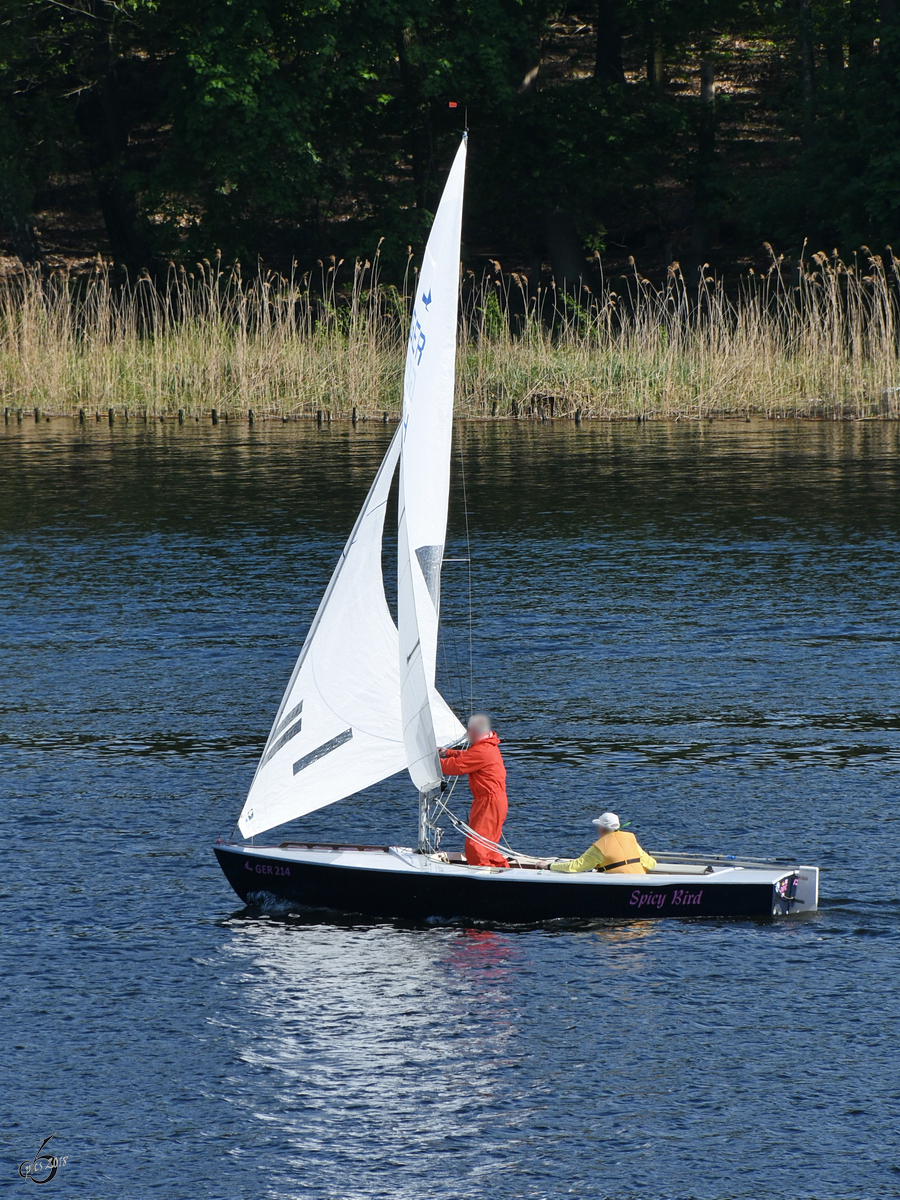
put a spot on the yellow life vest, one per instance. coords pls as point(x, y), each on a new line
point(621, 851)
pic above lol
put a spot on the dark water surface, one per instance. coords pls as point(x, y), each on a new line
point(694, 626)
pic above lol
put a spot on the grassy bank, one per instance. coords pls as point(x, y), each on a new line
point(820, 340)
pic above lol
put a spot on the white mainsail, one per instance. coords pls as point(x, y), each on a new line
point(427, 431)
point(361, 703)
point(338, 727)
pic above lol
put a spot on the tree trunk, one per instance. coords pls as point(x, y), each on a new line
point(655, 68)
point(98, 115)
point(608, 66)
point(701, 233)
point(807, 63)
point(887, 21)
point(860, 44)
point(22, 237)
point(834, 50)
point(566, 253)
point(415, 136)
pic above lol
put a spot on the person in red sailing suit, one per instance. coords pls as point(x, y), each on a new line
point(483, 763)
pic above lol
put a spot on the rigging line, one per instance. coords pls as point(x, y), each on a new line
point(459, 676)
point(445, 636)
point(462, 472)
point(481, 840)
point(442, 648)
point(441, 806)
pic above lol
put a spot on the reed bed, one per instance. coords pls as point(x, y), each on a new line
point(814, 339)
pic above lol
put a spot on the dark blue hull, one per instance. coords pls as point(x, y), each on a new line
point(504, 897)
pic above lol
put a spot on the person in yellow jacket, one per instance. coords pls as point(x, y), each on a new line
point(614, 852)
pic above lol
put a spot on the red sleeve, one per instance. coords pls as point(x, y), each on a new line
point(463, 762)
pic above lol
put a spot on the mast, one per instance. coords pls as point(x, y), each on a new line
point(427, 433)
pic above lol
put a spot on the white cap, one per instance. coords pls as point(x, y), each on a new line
point(607, 820)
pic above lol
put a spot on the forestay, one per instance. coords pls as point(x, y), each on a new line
point(424, 485)
point(338, 727)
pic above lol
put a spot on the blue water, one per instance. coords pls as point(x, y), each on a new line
point(695, 626)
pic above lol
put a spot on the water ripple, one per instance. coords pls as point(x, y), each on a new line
point(695, 627)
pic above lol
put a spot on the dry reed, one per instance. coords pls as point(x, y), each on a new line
point(818, 339)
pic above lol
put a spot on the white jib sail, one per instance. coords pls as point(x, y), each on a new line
point(338, 729)
point(427, 431)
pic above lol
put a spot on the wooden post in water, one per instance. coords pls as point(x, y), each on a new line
point(81, 416)
point(318, 416)
point(354, 416)
point(181, 416)
point(250, 415)
point(495, 409)
point(384, 419)
point(6, 415)
point(19, 415)
point(515, 408)
point(111, 414)
point(215, 416)
point(37, 415)
point(577, 416)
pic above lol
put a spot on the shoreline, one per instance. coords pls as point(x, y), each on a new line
point(213, 418)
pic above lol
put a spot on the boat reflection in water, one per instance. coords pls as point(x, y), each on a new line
point(358, 1039)
point(418, 1061)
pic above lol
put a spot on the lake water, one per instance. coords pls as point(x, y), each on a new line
point(695, 626)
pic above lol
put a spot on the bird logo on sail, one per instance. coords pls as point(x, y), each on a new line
point(417, 339)
point(426, 299)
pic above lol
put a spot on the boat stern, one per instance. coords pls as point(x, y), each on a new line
point(796, 892)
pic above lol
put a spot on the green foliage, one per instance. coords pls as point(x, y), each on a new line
point(591, 150)
point(493, 322)
point(28, 111)
point(293, 129)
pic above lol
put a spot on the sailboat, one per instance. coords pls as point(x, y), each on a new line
point(361, 705)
